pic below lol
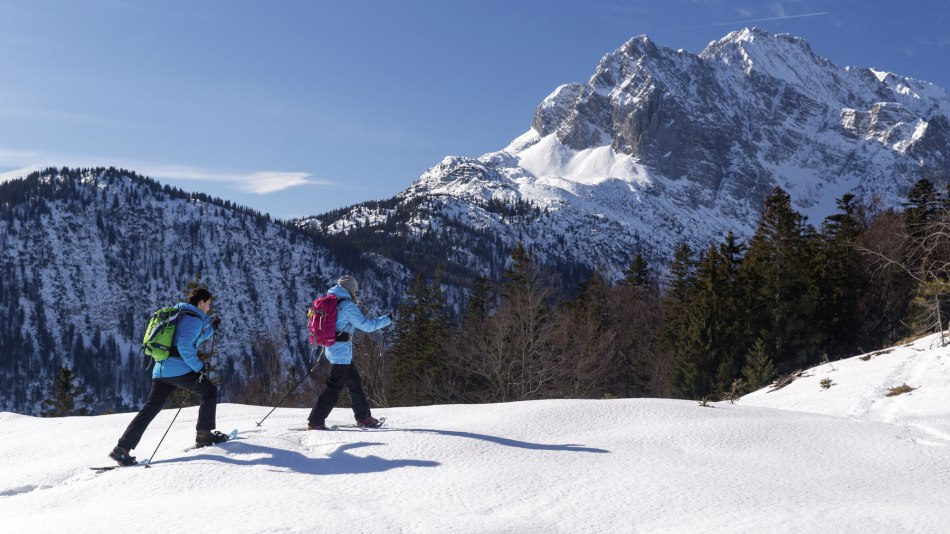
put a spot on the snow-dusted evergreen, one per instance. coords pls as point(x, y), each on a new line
point(88, 254)
point(801, 459)
point(662, 145)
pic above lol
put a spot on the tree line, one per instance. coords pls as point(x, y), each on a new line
point(711, 324)
point(719, 322)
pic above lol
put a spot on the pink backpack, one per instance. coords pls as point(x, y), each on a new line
point(322, 314)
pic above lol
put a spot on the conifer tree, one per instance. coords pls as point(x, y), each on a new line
point(638, 273)
point(758, 370)
point(732, 314)
point(418, 339)
point(694, 361)
point(782, 289)
point(923, 201)
point(839, 278)
point(675, 308)
point(68, 397)
point(480, 299)
point(711, 357)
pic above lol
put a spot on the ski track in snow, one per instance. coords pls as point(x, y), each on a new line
point(860, 462)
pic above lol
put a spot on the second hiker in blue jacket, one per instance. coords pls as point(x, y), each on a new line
point(182, 370)
point(349, 318)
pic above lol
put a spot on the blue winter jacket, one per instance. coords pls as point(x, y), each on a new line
point(191, 331)
point(348, 319)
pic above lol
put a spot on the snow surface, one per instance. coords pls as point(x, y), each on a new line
point(798, 459)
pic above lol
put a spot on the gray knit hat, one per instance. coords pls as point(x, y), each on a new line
point(348, 283)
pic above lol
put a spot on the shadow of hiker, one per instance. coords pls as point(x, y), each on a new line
point(338, 462)
point(567, 447)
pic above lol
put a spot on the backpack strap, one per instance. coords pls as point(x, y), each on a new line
point(173, 351)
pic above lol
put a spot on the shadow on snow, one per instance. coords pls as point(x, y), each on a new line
point(567, 447)
point(341, 461)
point(338, 462)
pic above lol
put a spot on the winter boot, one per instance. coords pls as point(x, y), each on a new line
point(205, 438)
point(121, 456)
point(311, 426)
point(368, 422)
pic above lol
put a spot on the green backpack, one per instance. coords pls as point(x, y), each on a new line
point(159, 340)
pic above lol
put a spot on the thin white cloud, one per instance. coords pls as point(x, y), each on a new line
point(23, 163)
point(19, 173)
point(745, 21)
point(261, 183)
point(745, 12)
point(10, 157)
point(271, 181)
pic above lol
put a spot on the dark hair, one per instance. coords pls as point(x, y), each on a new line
point(199, 295)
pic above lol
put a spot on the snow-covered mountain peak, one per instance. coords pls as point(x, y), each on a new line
point(783, 57)
point(638, 46)
point(661, 146)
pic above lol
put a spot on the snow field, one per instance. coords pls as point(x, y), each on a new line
point(629, 465)
point(847, 458)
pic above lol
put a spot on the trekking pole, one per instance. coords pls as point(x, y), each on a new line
point(180, 406)
point(310, 372)
point(379, 361)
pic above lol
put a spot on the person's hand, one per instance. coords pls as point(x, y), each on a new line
point(205, 367)
point(215, 322)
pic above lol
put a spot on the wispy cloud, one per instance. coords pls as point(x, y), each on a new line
point(261, 183)
point(19, 172)
point(23, 163)
point(12, 109)
point(745, 21)
point(621, 9)
point(16, 158)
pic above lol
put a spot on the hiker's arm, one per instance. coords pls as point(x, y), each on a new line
point(361, 322)
point(206, 332)
point(189, 331)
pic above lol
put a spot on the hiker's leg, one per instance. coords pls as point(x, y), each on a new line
point(156, 401)
point(354, 384)
point(204, 388)
point(336, 379)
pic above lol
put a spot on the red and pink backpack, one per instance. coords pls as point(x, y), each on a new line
point(322, 316)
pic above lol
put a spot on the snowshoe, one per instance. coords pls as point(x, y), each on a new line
point(205, 438)
point(369, 422)
point(122, 457)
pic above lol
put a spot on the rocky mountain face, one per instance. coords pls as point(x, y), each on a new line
point(661, 146)
point(88, 254)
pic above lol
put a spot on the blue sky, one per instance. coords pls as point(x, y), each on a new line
point(299, 107)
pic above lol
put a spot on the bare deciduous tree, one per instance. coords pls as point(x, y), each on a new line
point(923, 254)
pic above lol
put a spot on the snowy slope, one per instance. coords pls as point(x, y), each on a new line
point(861, 464)
point(859, 388)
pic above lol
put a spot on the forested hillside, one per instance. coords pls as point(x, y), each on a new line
point(728, 319)
point(89, 253)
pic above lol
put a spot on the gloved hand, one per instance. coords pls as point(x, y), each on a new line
point(215, 322)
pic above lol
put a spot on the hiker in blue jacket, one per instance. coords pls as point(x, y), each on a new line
point(349, 318)
point(182, 370)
